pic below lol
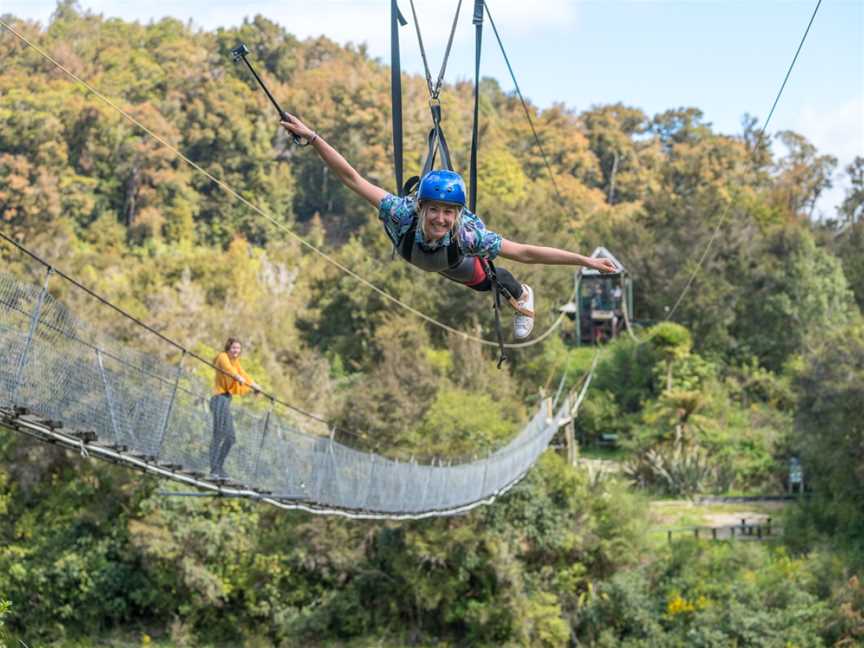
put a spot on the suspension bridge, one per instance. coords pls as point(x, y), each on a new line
point(65, 381)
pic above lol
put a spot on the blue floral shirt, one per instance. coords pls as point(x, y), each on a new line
point(397, 214)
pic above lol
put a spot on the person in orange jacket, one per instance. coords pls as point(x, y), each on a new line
point(229, 380)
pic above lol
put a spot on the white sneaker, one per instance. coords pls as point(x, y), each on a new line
point(523, 321)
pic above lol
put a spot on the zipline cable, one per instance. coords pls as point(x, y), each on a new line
point(280, 226)
point(759, 137)
point(477, 20)
point(526, 109)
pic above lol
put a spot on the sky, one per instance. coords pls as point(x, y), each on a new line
point(726, 58)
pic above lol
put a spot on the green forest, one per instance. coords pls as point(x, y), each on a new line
point(762, 361)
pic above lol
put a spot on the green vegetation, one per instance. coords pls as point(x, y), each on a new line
point(765, 360)
point(722, 594)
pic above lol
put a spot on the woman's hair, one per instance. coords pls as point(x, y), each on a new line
point(230, 342)
point(457, 222)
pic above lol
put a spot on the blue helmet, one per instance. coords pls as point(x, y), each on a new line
point(442, 186)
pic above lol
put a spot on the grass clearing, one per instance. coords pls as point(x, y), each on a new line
point(606, 454)
point(676, 514)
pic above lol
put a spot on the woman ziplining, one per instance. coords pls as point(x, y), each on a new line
point(434, 230)
point(437, 233)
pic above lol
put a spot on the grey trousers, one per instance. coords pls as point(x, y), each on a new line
point(223, 431)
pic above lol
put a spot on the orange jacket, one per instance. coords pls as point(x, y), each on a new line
point(224, 383)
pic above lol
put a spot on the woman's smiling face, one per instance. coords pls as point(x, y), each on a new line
point(439, 219)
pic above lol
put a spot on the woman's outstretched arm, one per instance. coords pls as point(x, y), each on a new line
point(538, 254)
point(338, 164)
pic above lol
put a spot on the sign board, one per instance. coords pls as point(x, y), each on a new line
point(796, 475)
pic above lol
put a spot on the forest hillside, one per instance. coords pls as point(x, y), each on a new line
point(761, 362)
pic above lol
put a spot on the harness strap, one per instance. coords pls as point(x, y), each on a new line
point(489, 267)
point(475, 129)
point(436, 88)
point(436, 142)
point(407, 242)
point(497, 291)
point(411, 185)
point(447, 51)
point(396, 19)
point(422, 49)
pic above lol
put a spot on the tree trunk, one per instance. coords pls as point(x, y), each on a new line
point(611, 197)
point(131, 195)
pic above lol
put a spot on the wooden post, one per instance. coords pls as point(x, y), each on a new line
point(768, 526)
point(669, 535)
point(628, 295)
point(713, 533)
point(578, 300)
point(696, 533)
point(570, 442)
point(611, 195)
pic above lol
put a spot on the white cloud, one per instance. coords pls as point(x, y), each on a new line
point(358, 21)
point(368, 20)
point(838, 131)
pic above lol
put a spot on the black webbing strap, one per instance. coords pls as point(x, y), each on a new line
point(454, 253)
point(497, 288)
point(497, 291)
point(396, 19)
point(411, 185)
point(436, 143)
point(446, 52)
point(408, 242)
point(475, 131)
